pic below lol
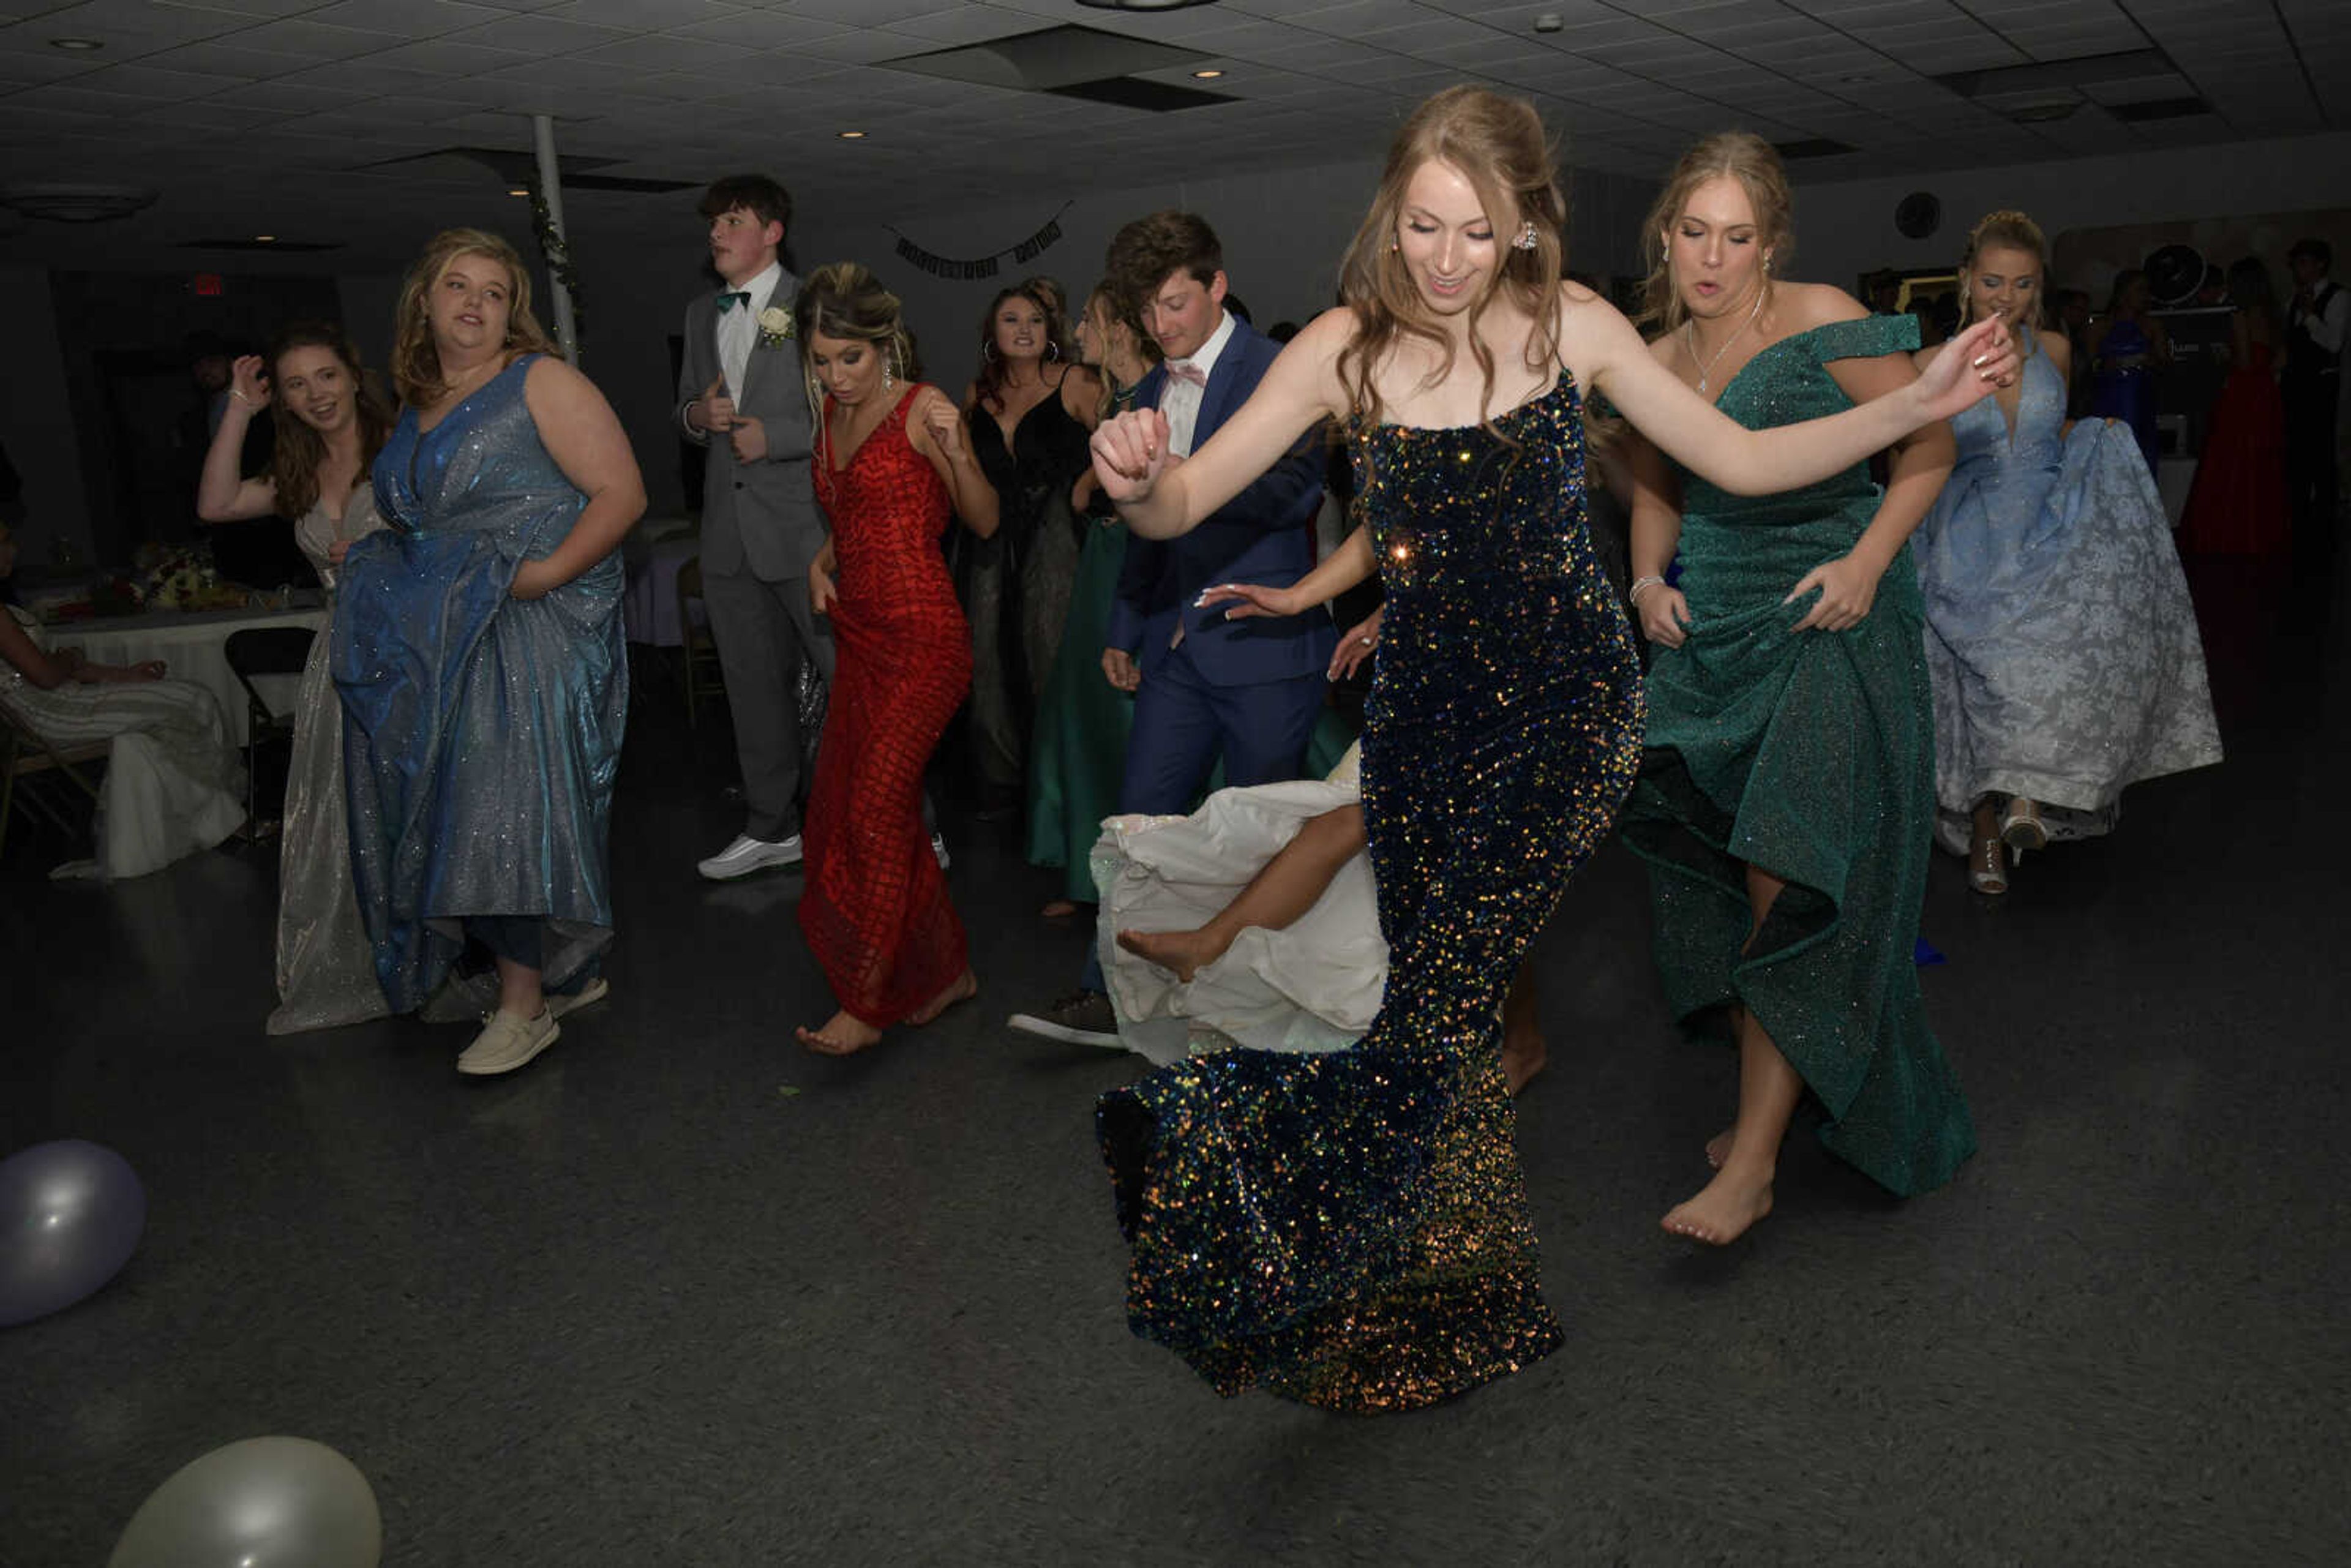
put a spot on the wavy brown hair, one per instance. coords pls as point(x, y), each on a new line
point(1740, 155)
point(988, 386)
point(1107, 305)
point(415, 362)
point(846, 300)
point(294, 468)
point(1500, 146)
point(2014, 230)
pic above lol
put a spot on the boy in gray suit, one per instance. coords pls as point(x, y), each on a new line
point(742, 398)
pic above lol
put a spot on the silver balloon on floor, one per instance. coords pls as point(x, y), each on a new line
point(71, 1216)
point(265, 1502)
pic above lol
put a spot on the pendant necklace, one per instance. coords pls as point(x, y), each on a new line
point(1689, 344)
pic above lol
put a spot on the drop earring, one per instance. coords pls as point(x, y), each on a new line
point(1526, 236)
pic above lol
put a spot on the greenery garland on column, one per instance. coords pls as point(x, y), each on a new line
point(557, 256)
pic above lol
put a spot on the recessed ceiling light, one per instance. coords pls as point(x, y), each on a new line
point(519, 191)
point(1211, 73)
point(1550, 22)
point(76, 44)
point(851, 135)
point(264, 239)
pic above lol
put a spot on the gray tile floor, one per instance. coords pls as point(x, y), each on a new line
point(680, 1293)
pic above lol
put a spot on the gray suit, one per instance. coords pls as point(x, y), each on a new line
point(761, 529)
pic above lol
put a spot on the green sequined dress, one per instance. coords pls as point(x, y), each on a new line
point(1809, 753)
point(1351, 1229)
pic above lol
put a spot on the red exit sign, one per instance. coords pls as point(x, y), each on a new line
point(207, 284)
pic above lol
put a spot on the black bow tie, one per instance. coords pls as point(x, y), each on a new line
point(729, 300)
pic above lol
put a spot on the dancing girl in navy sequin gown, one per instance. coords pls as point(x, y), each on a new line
point(894, 466)
point(1351, 1229)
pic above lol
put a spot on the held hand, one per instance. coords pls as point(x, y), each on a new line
point(1965, 368)
point(533, 580)
point(1119, 670)
point(1083, 493)
point(1356, 646)
point(1848, 588)
point(337, 552)
point(249, 384)
point(713, 411)
point(1130, 453)
point(1253, 599)
point(822, 594)
point(1665, 615)
point(748, 436)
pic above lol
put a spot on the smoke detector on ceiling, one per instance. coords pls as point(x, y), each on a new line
point(76, 204)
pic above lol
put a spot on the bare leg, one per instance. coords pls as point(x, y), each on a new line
point(518, 991)
point(1523, 1052)
point(1284, 888)
point(1740, 1192)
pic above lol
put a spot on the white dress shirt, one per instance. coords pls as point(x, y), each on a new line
point(1179, 400)
point(738, 328)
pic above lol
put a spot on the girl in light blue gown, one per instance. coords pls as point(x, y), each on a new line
point(2060, 644)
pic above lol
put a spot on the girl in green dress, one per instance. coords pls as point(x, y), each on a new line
point(1786, 798)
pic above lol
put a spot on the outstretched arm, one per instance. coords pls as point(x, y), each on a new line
point(1610, 358)
point(1160, 498)
point(1339, 571)
point(222, 495)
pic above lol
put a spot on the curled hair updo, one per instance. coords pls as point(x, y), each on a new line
point(845, 300)
point(2013, 230)
point(1740, 156)
point(1500, 146)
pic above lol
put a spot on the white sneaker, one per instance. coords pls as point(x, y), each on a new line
point(939, 848)
point(593, 991)
point(507, 1041)
point(747, 855)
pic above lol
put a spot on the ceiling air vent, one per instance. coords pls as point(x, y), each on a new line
point(1071, 62)
point(76, 204)
point(1812, 146)
point(2159, 109)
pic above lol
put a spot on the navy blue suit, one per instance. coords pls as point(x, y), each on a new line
point(1248, 689)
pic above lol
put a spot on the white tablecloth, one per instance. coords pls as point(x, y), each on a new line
point(194, 647)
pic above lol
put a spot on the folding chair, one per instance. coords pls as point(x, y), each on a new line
point(258, 651)
point(698, 653)
point(42, 768)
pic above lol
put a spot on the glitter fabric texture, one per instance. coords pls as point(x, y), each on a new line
point(875, 911)
point(1350, 1230)
point(481, 733)
point(1811, 755)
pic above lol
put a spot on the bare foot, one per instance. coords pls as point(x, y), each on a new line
point(1523, 1055)
point(1185, 952)
point(1057, 909)
point(1721, 1213)
point(962, 988)
point(1717, 1147)
point(842, 1035)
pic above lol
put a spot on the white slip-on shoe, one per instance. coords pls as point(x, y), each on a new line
point(507, 1041)
point(593, 991)
point(747, 855)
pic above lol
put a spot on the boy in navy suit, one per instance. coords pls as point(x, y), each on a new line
point(1248, 690)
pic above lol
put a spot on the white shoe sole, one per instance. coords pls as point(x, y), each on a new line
point(718, 869)
point(1045, 1028)
point(587, 996)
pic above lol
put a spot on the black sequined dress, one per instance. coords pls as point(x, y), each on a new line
point(1350, 1230)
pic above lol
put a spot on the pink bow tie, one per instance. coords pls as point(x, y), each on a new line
point(1186, 371)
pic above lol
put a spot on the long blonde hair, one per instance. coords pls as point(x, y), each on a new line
point(1500, 146)
point(415, 362)
point(2014, 230)
point(1740, 155)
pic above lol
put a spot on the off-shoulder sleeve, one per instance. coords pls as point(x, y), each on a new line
point(1864, 337)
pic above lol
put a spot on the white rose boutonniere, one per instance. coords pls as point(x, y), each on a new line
point(776, 326)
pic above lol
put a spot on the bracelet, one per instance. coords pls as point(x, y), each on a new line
point(1640, 583)
point(240, 397)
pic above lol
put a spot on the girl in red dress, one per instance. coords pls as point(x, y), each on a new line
point(893, 466)
point(2237, 504)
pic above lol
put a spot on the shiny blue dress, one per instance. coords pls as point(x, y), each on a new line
point(2061, 643)
point(1350, 1230)
point(484, 732)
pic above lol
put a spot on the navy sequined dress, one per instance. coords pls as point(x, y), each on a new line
point(1350, 1230)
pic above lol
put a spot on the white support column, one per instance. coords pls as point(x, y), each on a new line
point(550, 185)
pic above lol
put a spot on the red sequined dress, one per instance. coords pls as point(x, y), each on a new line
point(875, 911)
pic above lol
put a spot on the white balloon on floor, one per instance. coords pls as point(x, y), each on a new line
point(265, 1502)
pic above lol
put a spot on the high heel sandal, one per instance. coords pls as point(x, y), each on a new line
point(1987, 866)
point(2021, 827)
